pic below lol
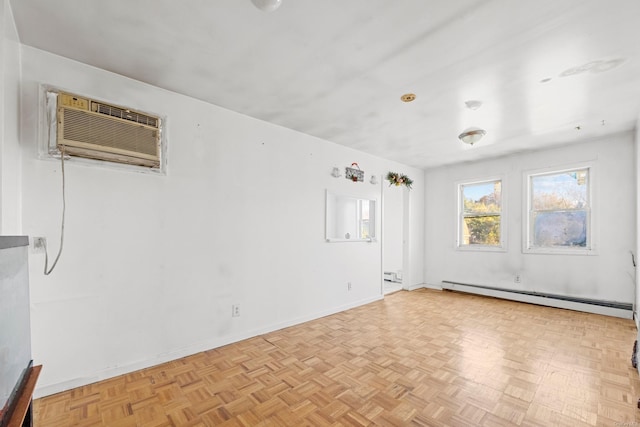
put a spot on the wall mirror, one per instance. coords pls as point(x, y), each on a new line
point(350, 219)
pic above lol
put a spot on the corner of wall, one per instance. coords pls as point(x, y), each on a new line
point(10, 164)
point(637, 170)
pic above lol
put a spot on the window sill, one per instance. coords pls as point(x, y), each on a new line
point(338, 240)
point(481, 248)
point(559, 251)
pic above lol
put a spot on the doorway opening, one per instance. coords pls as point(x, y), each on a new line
point(393, 238)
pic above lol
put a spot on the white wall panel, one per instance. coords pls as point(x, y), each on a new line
point(152, 264)
point(608, 275)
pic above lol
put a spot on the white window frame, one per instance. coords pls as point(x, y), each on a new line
point(527, 240)
point(502, 247)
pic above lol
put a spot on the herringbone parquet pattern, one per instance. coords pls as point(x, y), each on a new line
point(421, 358)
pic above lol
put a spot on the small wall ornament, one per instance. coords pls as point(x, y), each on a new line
point(354, 174)
point(398, 179)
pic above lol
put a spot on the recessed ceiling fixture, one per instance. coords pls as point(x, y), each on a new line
point(267, 5)
point(472, 135)
point(408, 97)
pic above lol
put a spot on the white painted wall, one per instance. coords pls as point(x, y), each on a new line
point(637, 248)
point(10, 167)
point(609, 275)
point(4, 6)
point(152, 264)
point(413, 231)
point(393, 208)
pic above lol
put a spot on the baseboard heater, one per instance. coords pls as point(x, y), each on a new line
point(608, 308)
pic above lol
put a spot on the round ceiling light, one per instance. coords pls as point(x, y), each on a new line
point(472, 135)
point(408, 97)
point(267, 5)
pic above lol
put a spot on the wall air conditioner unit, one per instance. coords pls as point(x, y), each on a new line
point(95, 130)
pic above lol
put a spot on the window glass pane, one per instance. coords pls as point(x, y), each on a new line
point(364, 229)
point(567, 190)
point(364, 219)
point(485, 197)
point(564, 229)
point(481, 230)
point(364, 209)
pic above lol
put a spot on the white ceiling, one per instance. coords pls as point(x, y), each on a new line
point(336, 69)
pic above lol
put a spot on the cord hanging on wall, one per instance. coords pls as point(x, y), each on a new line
point(48, 270)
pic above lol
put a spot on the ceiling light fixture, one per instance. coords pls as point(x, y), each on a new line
point(267, 5)
point(408, 97)
point(473, 104)
point(472, 135)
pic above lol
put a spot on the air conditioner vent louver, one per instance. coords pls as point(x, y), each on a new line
point(121, 113)
point(95, 130)
point(102, 132)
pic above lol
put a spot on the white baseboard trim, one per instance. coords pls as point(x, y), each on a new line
point(533, 299)
point(49, 389)
point(414, 287)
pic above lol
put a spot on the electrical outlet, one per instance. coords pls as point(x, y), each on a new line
point(235, 310)
point(39, 244)
point(348, 286)
point(517, 278)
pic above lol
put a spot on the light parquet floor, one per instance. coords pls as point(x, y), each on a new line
point(421, 358)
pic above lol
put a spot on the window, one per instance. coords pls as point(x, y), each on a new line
point(364, 219)
point(480, 207)
point(560, 211)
